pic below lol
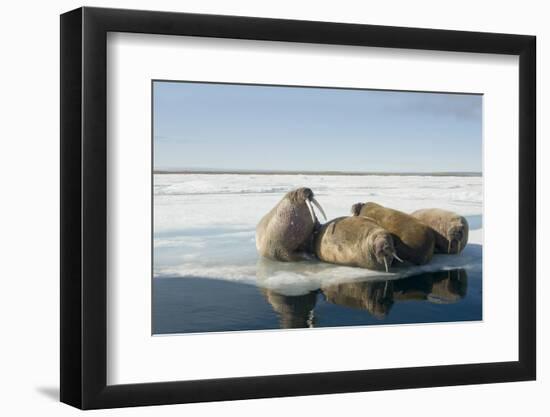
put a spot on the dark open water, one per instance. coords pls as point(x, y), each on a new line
point(190, 305)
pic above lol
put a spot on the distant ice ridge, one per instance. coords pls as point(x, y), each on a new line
point(185, 184)
point(204, 224)
point(184, 201)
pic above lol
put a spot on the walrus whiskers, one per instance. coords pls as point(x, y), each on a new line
point(319, 207)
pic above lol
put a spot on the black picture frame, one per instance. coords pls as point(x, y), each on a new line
point(84, 207)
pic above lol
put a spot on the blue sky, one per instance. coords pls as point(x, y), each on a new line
point(250, 127)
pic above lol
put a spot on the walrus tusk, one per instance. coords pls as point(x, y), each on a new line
point(458, 249)
point(449, 248)
point(397, 257)
point(319, 207)
point(313, 218)
point(386, 263)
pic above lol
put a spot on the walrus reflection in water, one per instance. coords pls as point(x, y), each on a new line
point(378, 297)
point(449, 287)
point(413, 240)
point(355, 241)
point(375, 297)
point(440, 287)
point(286, 232)
point(294, 311)
point(450, 229)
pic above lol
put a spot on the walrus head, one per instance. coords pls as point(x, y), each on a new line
point(384, 250)
point(455, 233)
point(306, 196)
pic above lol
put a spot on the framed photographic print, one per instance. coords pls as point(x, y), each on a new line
point(257, 207)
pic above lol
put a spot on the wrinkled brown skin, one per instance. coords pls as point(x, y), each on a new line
point(414, 242)
point(354, 241)
point(447, 226)
point(286, 232)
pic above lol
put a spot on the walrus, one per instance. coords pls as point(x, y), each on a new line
point(286, 232)
point(450, 229)
point(413, 240)
point(355, 241)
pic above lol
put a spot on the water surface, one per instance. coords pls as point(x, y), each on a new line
point(189, 305)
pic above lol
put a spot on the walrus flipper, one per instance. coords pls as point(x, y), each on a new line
point(356, 209)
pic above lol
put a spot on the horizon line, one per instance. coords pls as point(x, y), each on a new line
point(311, 172)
